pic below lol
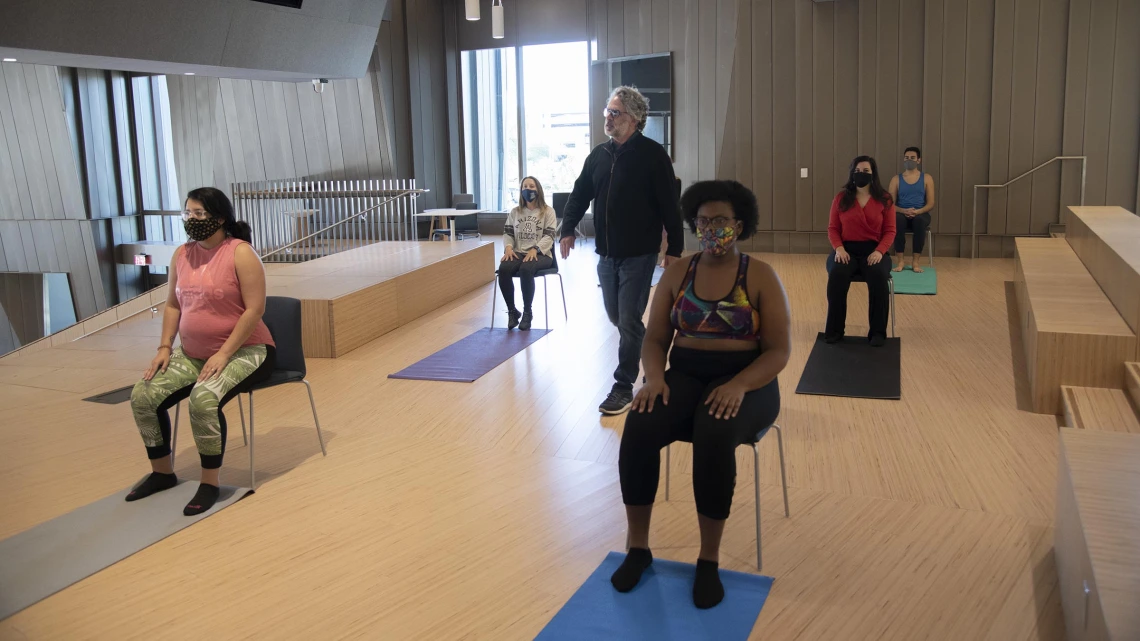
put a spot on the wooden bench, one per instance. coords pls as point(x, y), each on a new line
point(1107, 240)
point(1095, 543)
point(1098, 408)
point(1071, 332)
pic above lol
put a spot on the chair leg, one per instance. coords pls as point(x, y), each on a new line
point(891, 285)
point(313, 404)
point(562, 288)
point(174, 433)
point(252, 477)
point(783, 474)
point(493, 297)
point(756, 485)
point(668, 466)
point(546, 302)
point(241, 413)
point(930, 243)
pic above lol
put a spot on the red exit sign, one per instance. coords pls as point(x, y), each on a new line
point(142, 259)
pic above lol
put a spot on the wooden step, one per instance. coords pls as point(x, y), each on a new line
point(1132, 383)
point(1098, 408)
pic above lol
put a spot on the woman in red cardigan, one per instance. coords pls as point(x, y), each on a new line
point(861, 229)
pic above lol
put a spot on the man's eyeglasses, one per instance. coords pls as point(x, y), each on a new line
point(196, 214)
point(607, 112)
point(720, 222)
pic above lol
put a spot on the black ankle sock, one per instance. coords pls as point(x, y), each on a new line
point(707, 588)
point(156, 482)
point(627, 575)
point(203, 500)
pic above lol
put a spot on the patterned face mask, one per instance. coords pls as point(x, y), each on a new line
point(717, 241)
point(201, 229)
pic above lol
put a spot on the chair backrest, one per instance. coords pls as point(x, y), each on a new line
point(559, 202)
point(457, 199)
point(283, 318)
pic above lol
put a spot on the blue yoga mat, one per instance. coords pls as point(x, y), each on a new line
point(469, 358)
point(660, 608)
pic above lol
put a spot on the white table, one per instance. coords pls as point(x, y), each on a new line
point(450, 215)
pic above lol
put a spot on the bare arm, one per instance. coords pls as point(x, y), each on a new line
point(775, 328)
point(929, 183)
point(659, 331)
point(251, 279)
point(893, 188)
point(173, 313)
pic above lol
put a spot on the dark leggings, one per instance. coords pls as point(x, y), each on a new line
point(508, 269)
point(839, 283)
point(917, 226)
point(692, 375)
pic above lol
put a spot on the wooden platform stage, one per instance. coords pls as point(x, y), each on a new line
point(474, 511)
point(355, 296)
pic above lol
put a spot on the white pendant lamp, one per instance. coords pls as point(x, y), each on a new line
point(472, 9)
point(497, 19)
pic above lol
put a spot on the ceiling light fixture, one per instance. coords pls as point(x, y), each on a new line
point(9, 60)
point(188, 73)
point(472, 9)
point(497, 20)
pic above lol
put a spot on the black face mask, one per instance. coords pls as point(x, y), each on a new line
point(201, 229)
point(861, 179)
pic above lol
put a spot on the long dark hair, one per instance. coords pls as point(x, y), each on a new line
point(877, 191)
point(218, 205)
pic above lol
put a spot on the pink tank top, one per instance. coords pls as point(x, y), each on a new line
point(210, 298)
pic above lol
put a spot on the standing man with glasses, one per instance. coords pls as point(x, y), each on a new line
point(631, 182)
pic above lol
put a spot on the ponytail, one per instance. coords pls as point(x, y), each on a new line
point(240, 230)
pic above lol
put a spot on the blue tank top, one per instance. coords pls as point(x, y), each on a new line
point(912, 196)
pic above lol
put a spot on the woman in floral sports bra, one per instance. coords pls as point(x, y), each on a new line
point(720, 388)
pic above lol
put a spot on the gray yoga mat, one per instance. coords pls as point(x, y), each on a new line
point(469, 358)
point(39, 562)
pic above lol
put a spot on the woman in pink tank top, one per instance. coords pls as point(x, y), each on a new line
point(215, 299)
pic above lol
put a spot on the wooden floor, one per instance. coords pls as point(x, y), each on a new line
point(474, 511)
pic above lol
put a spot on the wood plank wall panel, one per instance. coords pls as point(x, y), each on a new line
point(43, 215)
point(987, 88)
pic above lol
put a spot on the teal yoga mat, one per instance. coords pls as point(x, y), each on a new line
point(908, 282)
point(660, 608)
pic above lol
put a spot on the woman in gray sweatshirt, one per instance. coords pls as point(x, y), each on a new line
point(527, 241)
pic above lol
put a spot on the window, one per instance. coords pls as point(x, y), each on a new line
point(550, 112)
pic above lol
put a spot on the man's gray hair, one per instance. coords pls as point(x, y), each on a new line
point(635, 104)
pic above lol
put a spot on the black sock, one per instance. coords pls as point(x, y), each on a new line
point(627, 575)
point(156, 482)
point(203, 500)
point(707, 588)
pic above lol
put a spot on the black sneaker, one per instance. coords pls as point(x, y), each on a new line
point(524, 324)
point(617, 402)
point(512, 319)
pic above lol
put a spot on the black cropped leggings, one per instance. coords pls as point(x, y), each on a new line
point(691, 376)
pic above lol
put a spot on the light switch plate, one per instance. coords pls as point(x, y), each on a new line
point(803, 172)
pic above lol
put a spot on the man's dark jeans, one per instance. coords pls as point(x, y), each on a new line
point(625, 292)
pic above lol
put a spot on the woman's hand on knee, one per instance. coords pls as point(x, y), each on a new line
point(875, 257)
point(724, 401)
point(841, 256)
point(159, 364)
point(509, 254)
point(647, 395)
point(531, 256)
point(213, 366)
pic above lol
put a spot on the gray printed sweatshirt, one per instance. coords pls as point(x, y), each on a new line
point(527, 228)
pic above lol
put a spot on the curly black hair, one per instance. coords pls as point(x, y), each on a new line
point(741, 198)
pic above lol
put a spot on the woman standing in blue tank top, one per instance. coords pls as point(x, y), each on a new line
point(913, 191)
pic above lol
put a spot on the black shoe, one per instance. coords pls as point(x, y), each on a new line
point(831, 339)
point(617, 402)
point(524, 324)
point(512, 319)
point(878, 340)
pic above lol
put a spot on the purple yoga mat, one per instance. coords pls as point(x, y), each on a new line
point(467, 359)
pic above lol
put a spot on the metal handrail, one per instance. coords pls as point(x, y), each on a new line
point(974, 221)
point(358, 214)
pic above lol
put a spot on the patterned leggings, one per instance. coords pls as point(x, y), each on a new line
point(151, 399)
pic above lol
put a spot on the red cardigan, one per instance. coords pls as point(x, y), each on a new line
point(873, 222)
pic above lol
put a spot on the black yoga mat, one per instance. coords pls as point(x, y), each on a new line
point(469, 358)
point(854, 369)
